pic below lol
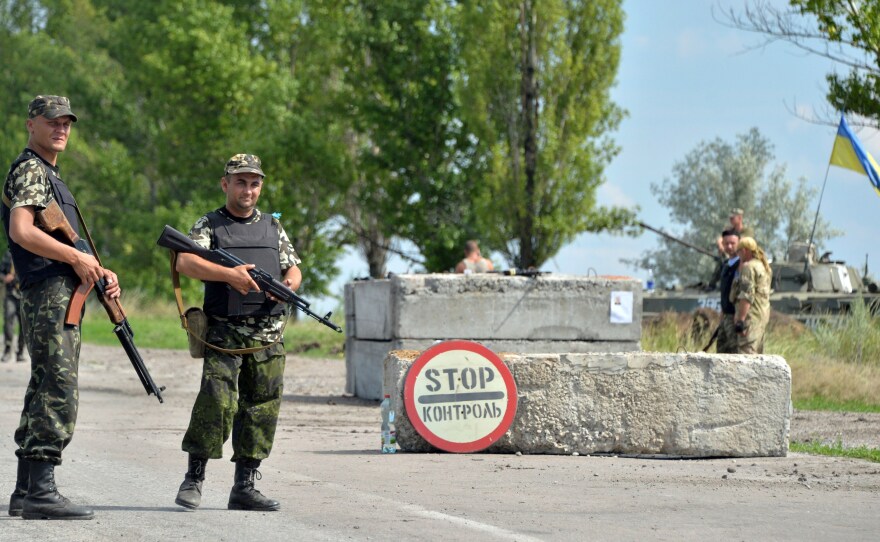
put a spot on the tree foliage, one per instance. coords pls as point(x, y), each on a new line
point(379, 123)
point(844, 31)
point(535, 87)
point(707, 183)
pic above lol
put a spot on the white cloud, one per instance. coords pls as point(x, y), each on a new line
point(612, 195)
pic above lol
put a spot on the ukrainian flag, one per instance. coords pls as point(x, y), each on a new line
point(848, 153)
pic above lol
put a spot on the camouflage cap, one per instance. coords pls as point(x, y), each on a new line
point(50, 107)
point(244, 163)
point(736, 211)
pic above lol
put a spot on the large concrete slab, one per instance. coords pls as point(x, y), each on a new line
point(489, 306)
point(645, 404)
point(365, 359)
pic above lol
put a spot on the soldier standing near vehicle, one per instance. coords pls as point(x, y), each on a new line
point(727, 338)
point(49, 271)
point(751, 295)
point(736, 225)
point(11, 316)
point(240, 392)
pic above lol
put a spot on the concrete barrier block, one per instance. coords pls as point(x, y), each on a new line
point(364, 359)
point(371, 306)
point(646, 404)
point(489, 306)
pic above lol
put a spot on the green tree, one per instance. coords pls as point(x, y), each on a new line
point(740, 174)
point(534, 89)
point(407, 143)
point(844, 31)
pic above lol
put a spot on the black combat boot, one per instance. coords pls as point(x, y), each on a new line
point(19, 356)
point(7, 355)
point(190, 493)
point(244, 496)
point(16, 501)
point(43, 500)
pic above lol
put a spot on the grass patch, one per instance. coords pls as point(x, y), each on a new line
point(158, 326)
point(836, 450)
point(823, 403)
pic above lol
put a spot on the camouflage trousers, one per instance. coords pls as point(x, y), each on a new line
point(752, 342)
point(727, 339)
point(240, 394)
point(52, 397)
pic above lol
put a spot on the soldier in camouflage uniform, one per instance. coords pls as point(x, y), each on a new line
point(751, 295)
point(240, 393)
point(49, 270)
point(10, 310)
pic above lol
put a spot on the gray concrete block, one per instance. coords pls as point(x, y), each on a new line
point(364, 359)
point(489, 306)
point(647, 404)
point(371, 305)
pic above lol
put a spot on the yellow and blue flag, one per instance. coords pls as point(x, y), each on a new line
point(848, 153)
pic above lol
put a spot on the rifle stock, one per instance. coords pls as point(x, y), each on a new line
point(178, 242)
point(52, 218)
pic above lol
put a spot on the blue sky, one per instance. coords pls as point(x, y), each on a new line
point(684, 79)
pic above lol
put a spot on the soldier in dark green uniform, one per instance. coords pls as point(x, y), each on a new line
point(49, 270)
point(240, 392)
point(11, 316)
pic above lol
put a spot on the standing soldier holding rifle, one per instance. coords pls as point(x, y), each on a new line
point(243, 369)
point(50, 270)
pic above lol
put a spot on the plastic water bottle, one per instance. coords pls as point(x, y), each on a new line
point(649, 284)
point(389, 436)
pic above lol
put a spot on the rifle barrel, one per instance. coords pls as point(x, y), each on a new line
point(679, 241)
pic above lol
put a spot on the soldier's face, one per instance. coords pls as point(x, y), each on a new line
point(49, 135)
point(736, 221)
point(242, 192)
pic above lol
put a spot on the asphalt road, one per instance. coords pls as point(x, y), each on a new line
point(125, 461)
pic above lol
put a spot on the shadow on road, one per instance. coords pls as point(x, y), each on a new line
point(331, 400)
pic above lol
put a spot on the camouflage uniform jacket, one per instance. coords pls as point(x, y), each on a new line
point(263, 328)
point(752, 284)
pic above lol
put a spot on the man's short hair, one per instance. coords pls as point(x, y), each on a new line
point(725, 233)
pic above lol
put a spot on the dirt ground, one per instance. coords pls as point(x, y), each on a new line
point(125, 461)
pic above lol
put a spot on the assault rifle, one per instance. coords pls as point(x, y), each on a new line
point(178, 242)
point(520, 272)
point(52, 218)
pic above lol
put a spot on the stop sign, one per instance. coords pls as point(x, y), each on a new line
point(460, 396)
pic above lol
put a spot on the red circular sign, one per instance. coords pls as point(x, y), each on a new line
point(460, 396)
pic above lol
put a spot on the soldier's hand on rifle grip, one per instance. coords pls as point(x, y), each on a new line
point(240, 280)
point(86, 267)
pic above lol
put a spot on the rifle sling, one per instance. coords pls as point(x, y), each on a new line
point(175, 280)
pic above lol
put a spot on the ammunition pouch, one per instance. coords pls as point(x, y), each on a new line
point(195, 322)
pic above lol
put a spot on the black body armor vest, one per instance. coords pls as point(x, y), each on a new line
point(255, 243)
point(30, 267)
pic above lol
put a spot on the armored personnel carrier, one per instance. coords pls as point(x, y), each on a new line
point(808, 288)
